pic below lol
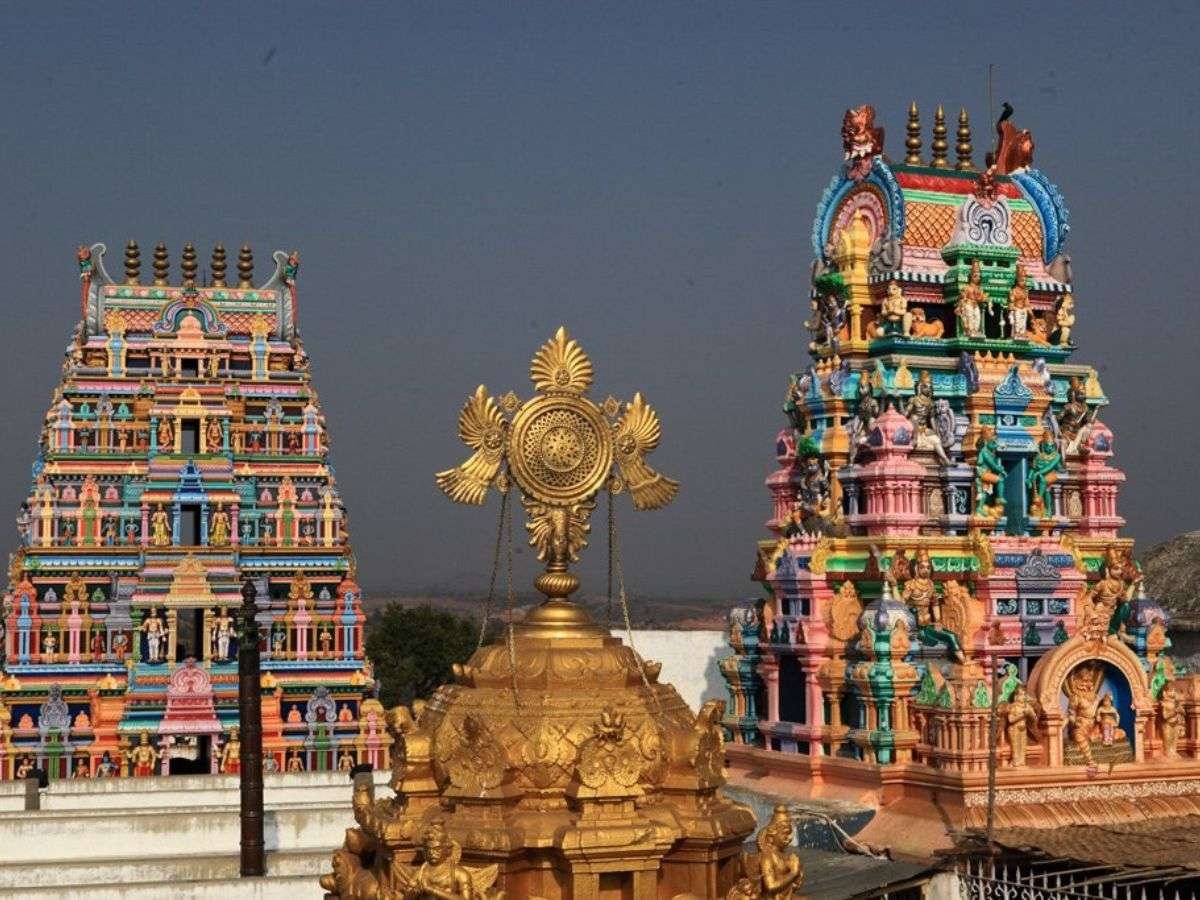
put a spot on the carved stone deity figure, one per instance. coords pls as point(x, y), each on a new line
point(160, 528)
point(894, 317)
point(1043, 472)
point(1172, 721)
point(218, 529)
point(970, 304)
point(989, 475)
point(155, 632)
point(231, 753)
point(1064, 318)
point(1018, 307)
point(1020, 720)
point(774, 871)
point(213, 438)
point(223, 631)
point(921, 594)
point(143, 755)
point(166, 436)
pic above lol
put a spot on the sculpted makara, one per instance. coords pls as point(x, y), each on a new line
point(555, 762)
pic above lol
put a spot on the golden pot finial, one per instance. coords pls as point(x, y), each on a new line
point(912, 143)
point(963, 147)
point(939, 145)
point(560, 449)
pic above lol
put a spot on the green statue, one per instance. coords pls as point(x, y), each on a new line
point(1043, 472)
point(989, 475)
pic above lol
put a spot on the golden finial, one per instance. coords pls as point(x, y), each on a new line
point(939, 145)
point(912, 143)
point(133, 263)
point(245, 267)
point(218, 265)
point(187, 265)
point(162, 264)
point(560, 449)
point(963, 148)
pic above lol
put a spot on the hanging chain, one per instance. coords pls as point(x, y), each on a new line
point(615, 558)
point(611, 531)
point(487, 606)
point(512, 649)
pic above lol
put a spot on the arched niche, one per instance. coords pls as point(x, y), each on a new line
point(1049, 676)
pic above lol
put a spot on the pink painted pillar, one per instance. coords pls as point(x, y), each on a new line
point(145, 534)
point(233, 525)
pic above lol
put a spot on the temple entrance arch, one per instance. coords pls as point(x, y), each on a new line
point(1072, 681)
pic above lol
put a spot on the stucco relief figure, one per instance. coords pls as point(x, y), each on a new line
point(923, 413)
point(1171, 711)
point(894, 317)
point(223, 631)
point(160, 528)
point(921, 594)
point(1073, 420)
point(143, 756)
point(1018, 307)
point(1064, 318)
point(813, 511)
point(218, 530)
point(231, 753)
point(925, 328)
point(156, 635)
point(989, 475)
point(213, 437)
point(1019, 718)
point(774, 871)
point(1107, 718)
point(970, 304)
point(166, 436)
point(1044, 471)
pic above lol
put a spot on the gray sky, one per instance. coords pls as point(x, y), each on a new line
point(460, 179)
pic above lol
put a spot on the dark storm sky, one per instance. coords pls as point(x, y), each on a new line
point(460, 179)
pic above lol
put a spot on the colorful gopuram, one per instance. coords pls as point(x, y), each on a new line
point(944, 569)
point(184, 450)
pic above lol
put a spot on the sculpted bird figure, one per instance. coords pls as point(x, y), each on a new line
point(637, 434)
point(482, 428)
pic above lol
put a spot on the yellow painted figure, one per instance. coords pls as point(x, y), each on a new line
point(160, 528)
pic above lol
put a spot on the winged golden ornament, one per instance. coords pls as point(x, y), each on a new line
point(560, 449)
point(481, 427)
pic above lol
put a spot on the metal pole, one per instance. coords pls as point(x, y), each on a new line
point(250, 718)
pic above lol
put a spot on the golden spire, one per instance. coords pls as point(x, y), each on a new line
point(560, 449)
point(188, 265)
point(162, 264)
point(245, 267)
point(912, 143)
point(939, 145)
point(133, 263)
point(218, 265)
point(963, 148)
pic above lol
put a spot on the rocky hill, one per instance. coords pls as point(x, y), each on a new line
point(1172, 571)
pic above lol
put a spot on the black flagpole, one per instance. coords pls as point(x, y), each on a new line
point(250, 718)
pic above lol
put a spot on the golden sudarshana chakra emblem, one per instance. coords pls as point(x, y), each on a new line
point(560, 448)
